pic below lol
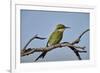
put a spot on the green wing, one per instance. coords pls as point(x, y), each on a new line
point(55, 38)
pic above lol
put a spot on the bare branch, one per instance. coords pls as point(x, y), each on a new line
point(78, 39)
point(76, 42)
point(60, 45)
point(72, 46)
point(34, 37)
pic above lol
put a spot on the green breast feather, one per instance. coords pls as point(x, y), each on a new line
point(55, 38)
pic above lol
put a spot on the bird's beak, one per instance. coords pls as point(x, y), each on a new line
point(67, 27)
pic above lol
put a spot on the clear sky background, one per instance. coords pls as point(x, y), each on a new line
point(43, 23)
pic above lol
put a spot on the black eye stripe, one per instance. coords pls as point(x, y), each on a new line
point(60, 27)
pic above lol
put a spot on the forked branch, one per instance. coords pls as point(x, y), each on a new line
point(77, 49)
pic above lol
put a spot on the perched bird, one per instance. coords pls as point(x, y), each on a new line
point(54, 38)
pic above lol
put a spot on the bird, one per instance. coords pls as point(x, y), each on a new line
point(54, 38)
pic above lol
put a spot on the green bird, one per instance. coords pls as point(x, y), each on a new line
point(54, 38)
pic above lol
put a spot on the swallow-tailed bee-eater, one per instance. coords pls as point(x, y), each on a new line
point(54, 38)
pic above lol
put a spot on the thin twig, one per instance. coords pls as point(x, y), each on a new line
point(34, 37)
point(78, 39)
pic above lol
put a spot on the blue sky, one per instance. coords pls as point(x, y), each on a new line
point(43, 23)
